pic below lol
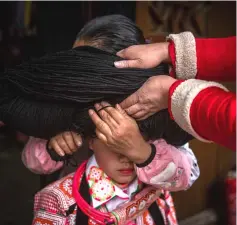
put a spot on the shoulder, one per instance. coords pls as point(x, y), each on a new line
point(56, 196)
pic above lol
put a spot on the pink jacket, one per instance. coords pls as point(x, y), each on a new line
point(171, 168)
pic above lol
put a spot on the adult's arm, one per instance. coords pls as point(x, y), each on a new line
point(204, 109)
point(211, 59)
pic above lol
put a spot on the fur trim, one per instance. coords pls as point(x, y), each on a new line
point(181, 101)
point(185, 54)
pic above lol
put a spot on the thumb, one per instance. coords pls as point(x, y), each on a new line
point(129, 101)
point(133, 63)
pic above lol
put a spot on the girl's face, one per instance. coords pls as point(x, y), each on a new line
point(116, 166)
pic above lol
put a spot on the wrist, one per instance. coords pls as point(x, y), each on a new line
point(142, 154)
point(166, 56)
point(150, 159)
point(167, 84)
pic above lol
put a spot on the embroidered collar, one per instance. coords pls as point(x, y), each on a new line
point(103, 189)
point(129, 211)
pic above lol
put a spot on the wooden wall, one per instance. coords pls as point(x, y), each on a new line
point(217, 20)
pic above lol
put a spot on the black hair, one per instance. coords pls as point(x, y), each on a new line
point(52, 94)
point(111, 33)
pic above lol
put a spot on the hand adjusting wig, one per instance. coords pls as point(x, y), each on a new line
point(52, 94)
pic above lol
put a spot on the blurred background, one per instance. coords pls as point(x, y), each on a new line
point(31, 29)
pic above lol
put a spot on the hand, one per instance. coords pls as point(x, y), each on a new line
point(143, 56)
point(150, 98)
point(120, 132)
point(65, 143)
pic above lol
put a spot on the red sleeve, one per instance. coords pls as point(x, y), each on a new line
point(216, 59)
point(213, 116)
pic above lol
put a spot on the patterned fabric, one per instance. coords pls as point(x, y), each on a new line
point(53, 202)
point(36, 158)
point(104, 190)
point(172, 168)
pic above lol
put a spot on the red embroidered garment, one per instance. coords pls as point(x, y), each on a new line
point(52, 203)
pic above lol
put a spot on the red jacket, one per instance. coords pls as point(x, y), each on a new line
point(205, 109)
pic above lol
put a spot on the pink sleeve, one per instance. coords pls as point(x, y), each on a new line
point(172, 168)
point(36, 158)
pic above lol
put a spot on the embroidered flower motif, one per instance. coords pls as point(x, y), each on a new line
point(102, 190)
point(67, 186)
point(142, 204)
point(95, 174)
point(131, 210)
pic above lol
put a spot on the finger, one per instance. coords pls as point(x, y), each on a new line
point(101, 136)
point(77, 139)
point(146, 115)
point(98, 107)
point(68, 138)
point(54, 145)
point(139, 115)
point(132, 63)
point(99, 123)
point(134, 109)
point(115, 114)
point(108, 119)
point(120, 110)
point(63, 145)
point(129, 101)
point(128, 53)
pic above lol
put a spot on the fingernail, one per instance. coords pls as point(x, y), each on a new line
point(62, 154)
point(118, 53)
point(78, 143)
point(117, 64)
point(103, 103)
point(118, 106)
point(91, 112)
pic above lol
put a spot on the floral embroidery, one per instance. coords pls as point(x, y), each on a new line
point(67, 186)
point(94, 174)
point(102, 189)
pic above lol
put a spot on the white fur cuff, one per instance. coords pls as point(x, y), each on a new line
point(182, 99)
point(185, 52)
